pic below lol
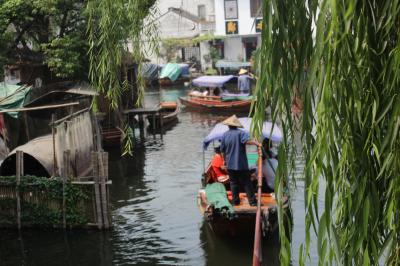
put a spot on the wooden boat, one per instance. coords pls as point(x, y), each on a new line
point(169, 112)
point(173, 74)
point(214, 100)
point(242, 222)
point(215, 104)
point(165, 82)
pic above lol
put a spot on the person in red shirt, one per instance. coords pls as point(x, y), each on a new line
point(219, 167)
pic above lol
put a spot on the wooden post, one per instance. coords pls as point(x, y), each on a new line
point(95, 166)
point(141, 126)
point(103, 167)
point(161, 126)
point(19, 173)
point(53, 133)
point(65, 175)
point(154, 123)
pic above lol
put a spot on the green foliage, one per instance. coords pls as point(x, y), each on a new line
point(51, 190)
point(113, 27)
point(341, 59)
point(51, 32)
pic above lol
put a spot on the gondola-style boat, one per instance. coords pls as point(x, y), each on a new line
point(241, 219)
point(169, 112)
point(216, 99)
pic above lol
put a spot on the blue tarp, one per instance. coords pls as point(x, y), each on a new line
point(212, 81)
point(219, 129)
point(150, 71)
point(232, 64)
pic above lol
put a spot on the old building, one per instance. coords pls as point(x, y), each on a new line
point(185, 20)
point(240, 22)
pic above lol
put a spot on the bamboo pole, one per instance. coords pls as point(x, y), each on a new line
point(257, 235)
point(19, 173)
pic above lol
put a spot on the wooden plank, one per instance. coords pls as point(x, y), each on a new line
point(142, 111)
point(44, 107)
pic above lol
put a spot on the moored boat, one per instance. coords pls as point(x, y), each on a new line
point(169, 113)
point(214, 96)
point(238, 220)
point(174, 74)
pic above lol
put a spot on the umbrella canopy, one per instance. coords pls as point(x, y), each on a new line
point(219, 129)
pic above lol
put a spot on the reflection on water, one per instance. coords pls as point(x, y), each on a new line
point(155, 217)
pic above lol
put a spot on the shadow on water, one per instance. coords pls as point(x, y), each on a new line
point(35, 247)
point(225, 250)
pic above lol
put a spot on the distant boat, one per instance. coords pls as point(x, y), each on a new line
point(174, 74)
point(169, 113)
point(214, 96)
point(237, 220)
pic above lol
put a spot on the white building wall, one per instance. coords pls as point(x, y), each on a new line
point(188, 5)
point(244, 17)
point(233, 49)
point(233, 45)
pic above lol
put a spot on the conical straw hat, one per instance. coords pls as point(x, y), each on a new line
point(242, 71)
point(232, 121)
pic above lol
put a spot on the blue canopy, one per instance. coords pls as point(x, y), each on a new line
point(212, 81)
point(219, 129)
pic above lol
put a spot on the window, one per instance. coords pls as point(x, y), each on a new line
point(255, 6)
point(231, 9)
point(201, 11)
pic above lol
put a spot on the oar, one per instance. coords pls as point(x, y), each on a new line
point(257, 235)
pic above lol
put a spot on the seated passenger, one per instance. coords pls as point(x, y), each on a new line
point(219, 167)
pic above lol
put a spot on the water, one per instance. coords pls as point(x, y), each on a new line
point(155, 217)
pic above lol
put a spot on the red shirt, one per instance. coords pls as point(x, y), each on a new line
point(216, 164)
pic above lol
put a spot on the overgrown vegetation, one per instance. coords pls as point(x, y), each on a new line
point(341, 58)
point(51, 32)
point(42, 200)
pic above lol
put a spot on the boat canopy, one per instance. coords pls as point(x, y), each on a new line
point(173, 71)
point(232, 64)
point(269, 131)
point(212, 81)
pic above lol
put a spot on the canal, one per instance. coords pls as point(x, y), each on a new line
point(155, 217)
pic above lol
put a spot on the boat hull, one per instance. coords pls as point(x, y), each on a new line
point(169, 112)
point(166, 82)
point(243, 222)
point(216, 105)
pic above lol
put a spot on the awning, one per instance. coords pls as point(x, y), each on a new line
point(212, 81)
point(231, 64)
point(219, 130)
point(12, 97)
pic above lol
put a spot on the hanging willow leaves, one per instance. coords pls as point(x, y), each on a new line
point(119, 31)
point(339, 63)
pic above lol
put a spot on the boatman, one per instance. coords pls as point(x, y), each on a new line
point(244, 81)
point(233, 148)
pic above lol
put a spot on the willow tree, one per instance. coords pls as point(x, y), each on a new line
point(119, 31)
point(341, 59)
